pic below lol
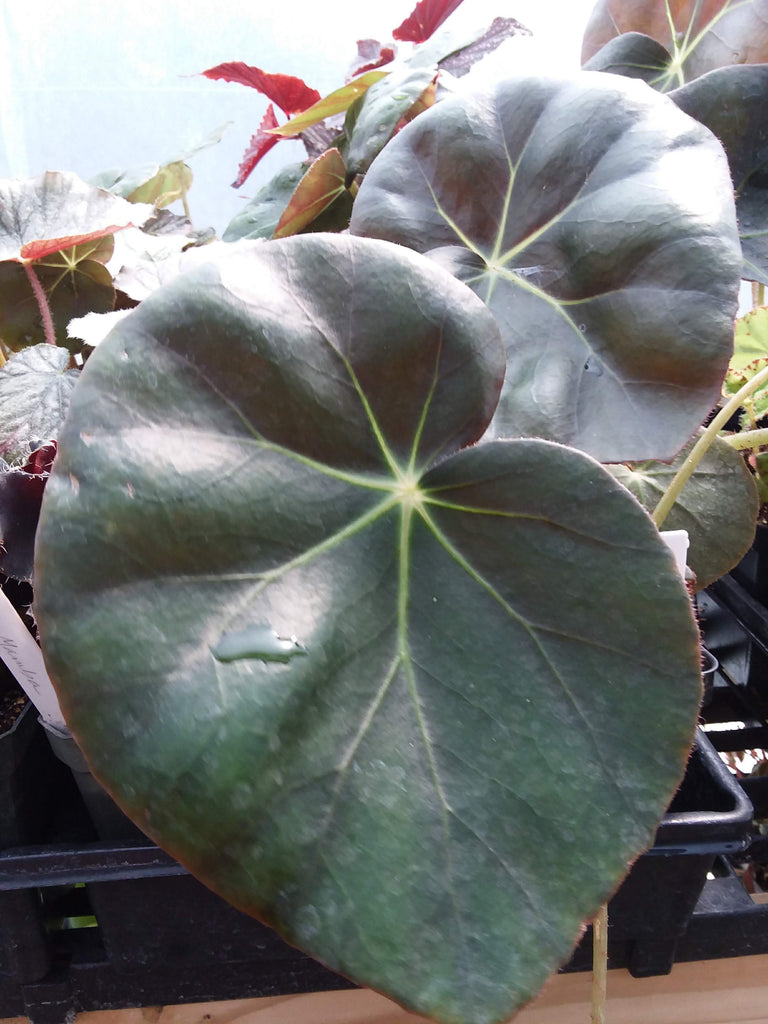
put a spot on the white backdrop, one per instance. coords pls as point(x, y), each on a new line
point(86, 85)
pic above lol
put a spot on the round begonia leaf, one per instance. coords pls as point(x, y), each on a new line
point(718, 506)
point(40, 216)
point(597, 222)
point(380, 687)
point(72, 290)
point(700, 35)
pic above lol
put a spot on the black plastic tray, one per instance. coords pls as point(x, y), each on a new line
point(149, 933)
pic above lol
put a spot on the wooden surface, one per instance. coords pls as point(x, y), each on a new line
point(708, 992)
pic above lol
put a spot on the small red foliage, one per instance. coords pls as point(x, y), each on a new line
point(371, 55)
point(40, 461)
point(290, 94)
point(426, 17)
point(259, 146)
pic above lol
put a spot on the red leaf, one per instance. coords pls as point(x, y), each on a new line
point(372, 55)
point(259, 146)
point(320, 187)
point(291, 94)
point(47, 246)
point(40, 461)
point(426, 16)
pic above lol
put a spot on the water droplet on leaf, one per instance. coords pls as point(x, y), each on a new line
point(260, 642)
point(593, 366)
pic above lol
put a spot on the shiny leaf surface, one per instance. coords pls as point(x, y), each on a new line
point(373, 119)
point(732, 103)
point(597, 222)
point(274, 456)
point(633, 55)
point(700, 35)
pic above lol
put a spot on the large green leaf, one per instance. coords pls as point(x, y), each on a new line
point(700, 35)
point(597, 222)
point(392, 693)
point(732, 103)
point(718, 506)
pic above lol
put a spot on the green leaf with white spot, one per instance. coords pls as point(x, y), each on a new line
point(718, 506)
point(597, 222)
point(278, 449)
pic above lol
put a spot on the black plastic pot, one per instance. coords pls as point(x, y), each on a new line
point(710, 816)
point(752, 570)
point(108, 820)
point(735, 625)
point(31, 781)
point(744, 594)
point(17, 779)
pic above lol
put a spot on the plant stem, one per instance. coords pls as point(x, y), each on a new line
point(699, 450)
point(758, 294)
point(599, 964)
point(42, 303)
point(748, 439)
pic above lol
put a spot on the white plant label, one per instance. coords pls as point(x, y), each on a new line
point(24, 659)
point(677, 542)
